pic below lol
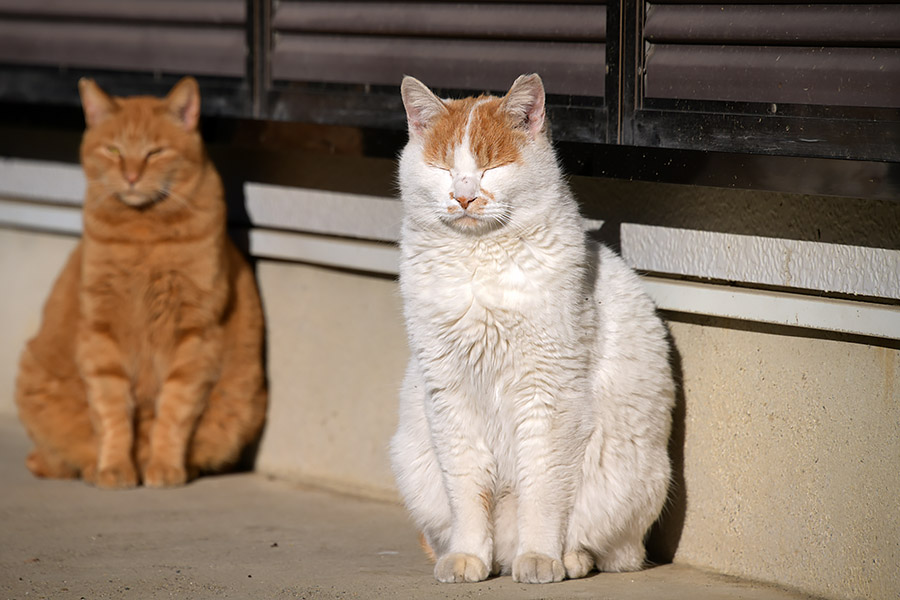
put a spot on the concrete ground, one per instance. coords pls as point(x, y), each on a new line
point(246, 536)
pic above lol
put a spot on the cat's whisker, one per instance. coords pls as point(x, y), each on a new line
point(175, 196)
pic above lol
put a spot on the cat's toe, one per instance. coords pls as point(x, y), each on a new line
point(532, 567)
point(160, 475)
point(116, 477)
point(578, 563)
point(459, 568)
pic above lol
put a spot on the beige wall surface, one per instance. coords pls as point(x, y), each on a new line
point(337, 352)
point(791, 460)
point(29, 264)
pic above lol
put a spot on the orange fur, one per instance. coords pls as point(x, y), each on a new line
point(497, 140)
point(446, 132)
point(148, 363)
point(427, 549)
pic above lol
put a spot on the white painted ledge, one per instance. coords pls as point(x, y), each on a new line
point(357, 255)
point(763, 306)
point(357, 232)
point(873, 272)
point(324, 212)
point(44, 217)
point(779, 308)
point(41, 180)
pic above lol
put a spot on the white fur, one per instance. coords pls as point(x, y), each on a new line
point(539, 379)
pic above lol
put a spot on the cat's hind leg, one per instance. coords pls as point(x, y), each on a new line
point(417, 471)
point(625, 554)
point(232, 419)
point(236, 408)
point(45, 464)
point(419, 479)
point(55, 414)
point(622, 492)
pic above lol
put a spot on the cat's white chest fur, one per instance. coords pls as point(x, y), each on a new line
point(497, 280)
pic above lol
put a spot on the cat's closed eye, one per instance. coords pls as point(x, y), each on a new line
point(154, 152)
point(113, 151)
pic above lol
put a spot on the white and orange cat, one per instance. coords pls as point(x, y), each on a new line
point(536, 408)
point(148, 363)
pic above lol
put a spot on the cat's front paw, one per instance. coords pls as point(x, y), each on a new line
point(460, 568)
point(115, 477)
point(532, 567)
point(160, 475)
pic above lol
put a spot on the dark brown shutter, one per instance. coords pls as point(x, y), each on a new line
point(818, 54)
point(199, 37)
point(476, 45)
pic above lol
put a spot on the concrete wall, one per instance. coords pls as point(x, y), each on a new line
point(791, 459)
point(29, 264)
point(337, 352)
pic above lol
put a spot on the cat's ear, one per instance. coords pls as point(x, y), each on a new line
point(422, 106)
point(524, 102)
point(184, 102)
point(97, 104)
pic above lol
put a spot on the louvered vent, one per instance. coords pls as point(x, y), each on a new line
point(476, 45)
point(821, 53)
point(200, 37)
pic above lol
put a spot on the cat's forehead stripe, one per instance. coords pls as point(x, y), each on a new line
point(478, 123)
point(447, 131)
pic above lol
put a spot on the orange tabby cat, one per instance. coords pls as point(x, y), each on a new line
point(148, 363)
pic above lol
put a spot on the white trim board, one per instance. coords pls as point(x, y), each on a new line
point(57, 219)
point(41, 180)
point(870, 272)
point(358, 255)
point(331, 213)
point(308, 219)
point(779, 308)
point(873, 272)
point(860, 318)
point(325, 212)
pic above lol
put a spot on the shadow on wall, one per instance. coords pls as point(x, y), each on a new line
point(664, 536)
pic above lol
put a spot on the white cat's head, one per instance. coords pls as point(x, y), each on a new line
point(475, 164)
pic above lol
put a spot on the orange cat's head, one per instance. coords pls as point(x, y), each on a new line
point(141, 150)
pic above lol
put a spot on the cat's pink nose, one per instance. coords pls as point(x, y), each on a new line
point(465, 189)
point(464, 201)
